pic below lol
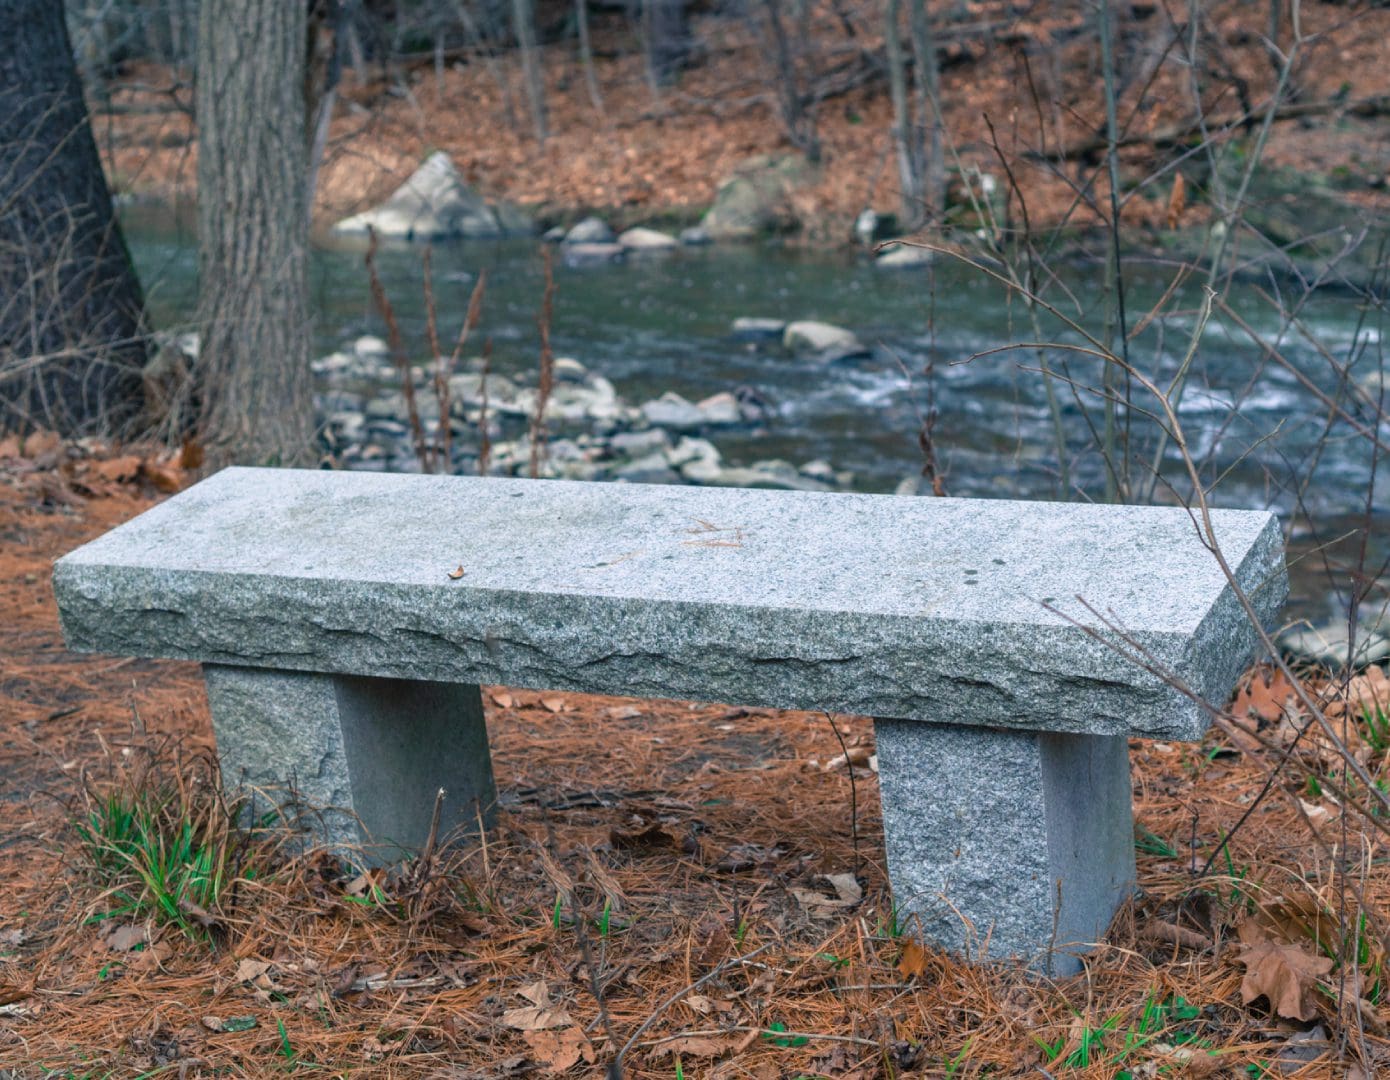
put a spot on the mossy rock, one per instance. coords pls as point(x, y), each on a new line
point(755, 200)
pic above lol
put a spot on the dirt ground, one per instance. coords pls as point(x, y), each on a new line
point(666, 881)
point(1019, 85)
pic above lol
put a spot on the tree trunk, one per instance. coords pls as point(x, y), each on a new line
point(586, 57)
point(71, 335)
point(667, 30)
point(253, 232)
point(927, 73)
point(906, 146)
point(523, 18)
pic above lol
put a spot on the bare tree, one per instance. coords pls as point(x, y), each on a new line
point(523, 20)
point(71, 337)
point(253, 232)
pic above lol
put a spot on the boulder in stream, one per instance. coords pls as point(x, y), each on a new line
point(823, 341)
point(436, 204)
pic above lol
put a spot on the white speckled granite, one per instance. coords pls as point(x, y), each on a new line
point(929, 609)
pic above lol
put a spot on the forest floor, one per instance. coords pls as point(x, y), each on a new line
point(697, 890)
point(1021, 91)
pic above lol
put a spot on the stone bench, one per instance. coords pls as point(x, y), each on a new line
point(342, 653)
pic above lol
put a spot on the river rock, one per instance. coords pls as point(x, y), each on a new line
point(824, 341)
point(649, 469)
point(592, 230)
point(690, 450)
point(435, 204)
point(647, 240)
point(587, 254)
point(720, 410)
point(672, 411)
point(904, 257)
point(751, 328)
point(756, 198)
point(568, 369)
point(695, 236)
point(639, 443)
point(554, 235)
point(1328, 644)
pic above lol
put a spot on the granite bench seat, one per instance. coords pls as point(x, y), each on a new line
point(346, 620)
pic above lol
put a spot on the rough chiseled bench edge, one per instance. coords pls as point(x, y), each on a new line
point(129, 619)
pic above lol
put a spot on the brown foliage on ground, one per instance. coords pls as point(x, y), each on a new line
point(683, 881)
point(1031, 73)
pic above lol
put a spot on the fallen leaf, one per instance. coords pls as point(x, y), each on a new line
point(39, 443)
point(454, 575)
point(1177, 202)
point(848, 894)
point(10, 447)
point(537, 993)
point(1166, 933)
point(537, 1018)
point(191, 455)
point(14, 937)
point(253, 972)
point(1265, 697)
point(503, 701)
point(125, 937)
point(553, 704)
point(540, 1015)
point(693, 1046)
point(559, 1051)
point(1283, 974)
point(10, 994)
point(118, 470)
point(913, 962)
point(857, 755)
point(165, 478)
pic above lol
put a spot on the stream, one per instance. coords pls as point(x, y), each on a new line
point(653, 324)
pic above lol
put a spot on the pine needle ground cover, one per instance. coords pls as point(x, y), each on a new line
point(671, 890)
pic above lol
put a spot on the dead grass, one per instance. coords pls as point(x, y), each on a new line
point(648, 886)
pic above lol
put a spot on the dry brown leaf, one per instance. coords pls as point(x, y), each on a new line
point(694, 1046)
point(858, 755)
point(1166, 933)
point(165, 478)
point(1265, 696)
point(559, 1051)
point(191, 455)
point(254, 972)
point(537, 1017)
point(1177, 201)
point(848, 894)
point(10, 994)
point(455, 574)
point(503, 701)
point(118, 470)
point(913, 962)
point(125, 937)
point(1283, 974)
point(10, 447)
point(553, 704)
point(39, 443)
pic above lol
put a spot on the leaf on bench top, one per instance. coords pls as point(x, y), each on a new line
point(457, 573)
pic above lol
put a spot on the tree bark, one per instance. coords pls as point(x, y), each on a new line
point(253, 233)
point(523, 19)
point(71, 333)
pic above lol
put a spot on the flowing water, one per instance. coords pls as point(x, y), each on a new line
point(1260, 431)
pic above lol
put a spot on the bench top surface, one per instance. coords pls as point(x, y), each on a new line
point(828, 567)
point(958, 559)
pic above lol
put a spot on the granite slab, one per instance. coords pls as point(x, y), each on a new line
point(961, 611)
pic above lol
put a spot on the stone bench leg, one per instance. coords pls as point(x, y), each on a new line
point(378, 749)
point(1005, 843)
